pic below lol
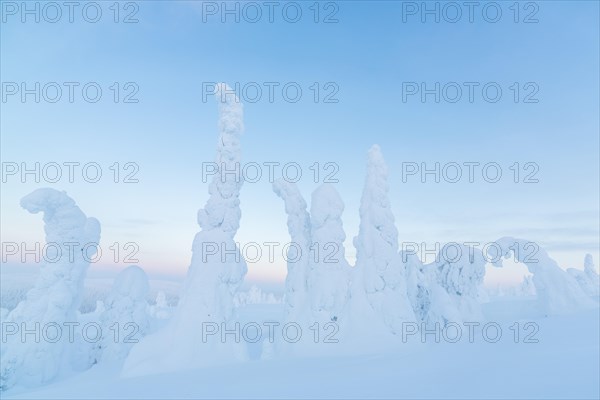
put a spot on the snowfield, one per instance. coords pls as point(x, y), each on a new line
point(564, 364)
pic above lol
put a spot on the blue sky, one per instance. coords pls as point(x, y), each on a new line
point(368, 54)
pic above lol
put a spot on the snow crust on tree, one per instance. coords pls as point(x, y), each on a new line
point(217, 268)
point(298, 254)
point(57, 293)
point(380, 271)
point(588, 279)
point(557, 291)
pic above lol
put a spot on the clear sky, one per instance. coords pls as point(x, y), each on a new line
point(368, 56)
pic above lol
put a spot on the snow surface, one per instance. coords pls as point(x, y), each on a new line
point(564, 364)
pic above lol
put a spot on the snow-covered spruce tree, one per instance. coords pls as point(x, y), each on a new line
point(557, 291)
point(589, 268)
point(588, 279)
point(125, 320)
point(590, 271)
point(160, 310)
point(417, 287)
point(328, 278)
point(378, 263)
point(72, 240)
point(460, 270)
point(430, 301)
point(298, 254)
point(214, 278)
point(216, 271)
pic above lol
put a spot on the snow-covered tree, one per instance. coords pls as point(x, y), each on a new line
point(557, 291)
point(417, 287)
point(378, 263)
point(254, 296)
point(217, 268)
point(589, 268)
point(590, 271)
point(57, 293)
point(125, 319)
point(328, 281)
point(430, 301)
point(588, 279)
point(298, 254)
point(460, 270)
point(160, 310)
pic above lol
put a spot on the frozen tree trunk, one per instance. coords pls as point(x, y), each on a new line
point(57, 293)
point(298, 254)
point(217, 268)
point(377, 260)
point(557, 291)
point(328, 280)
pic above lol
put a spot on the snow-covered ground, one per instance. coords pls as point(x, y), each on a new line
point(563, 364)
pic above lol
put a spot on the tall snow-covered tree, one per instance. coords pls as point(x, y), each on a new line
point(328, 280)
point(377, 260)
point(298, 254)
point(72, 240)
point(217, 268)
